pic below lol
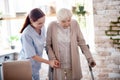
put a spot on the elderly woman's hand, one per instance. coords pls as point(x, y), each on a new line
point(92, 63)
point(54, 63)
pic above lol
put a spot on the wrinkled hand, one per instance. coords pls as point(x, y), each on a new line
point(54, 63)
point(92, 63)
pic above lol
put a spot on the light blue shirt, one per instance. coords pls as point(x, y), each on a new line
point(32, 44)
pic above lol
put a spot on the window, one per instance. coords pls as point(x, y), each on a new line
point(12, 27)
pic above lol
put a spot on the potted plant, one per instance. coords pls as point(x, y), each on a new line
point(12, 41)
point(80, 12)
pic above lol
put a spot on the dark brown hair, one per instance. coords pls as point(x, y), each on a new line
point(34, 14)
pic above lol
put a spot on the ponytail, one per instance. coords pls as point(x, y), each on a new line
point(27, 21)
point(34, 15)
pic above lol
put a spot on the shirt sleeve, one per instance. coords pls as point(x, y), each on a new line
point(49, 44)
point(28, 46)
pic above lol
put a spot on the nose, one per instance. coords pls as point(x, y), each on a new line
point(42, 24)
point(67, 24)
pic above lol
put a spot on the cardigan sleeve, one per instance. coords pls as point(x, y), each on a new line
point(49, 45)
point(82, 44)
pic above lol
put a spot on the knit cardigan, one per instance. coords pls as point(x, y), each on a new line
point(77, 39)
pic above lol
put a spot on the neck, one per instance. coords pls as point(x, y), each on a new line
point(38, 31)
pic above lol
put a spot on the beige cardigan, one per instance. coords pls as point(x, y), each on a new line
point(76, 40)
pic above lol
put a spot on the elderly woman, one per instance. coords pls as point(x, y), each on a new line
point(63, 38)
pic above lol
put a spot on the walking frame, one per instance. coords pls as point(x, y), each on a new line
point(90, 69)
point(51, 71)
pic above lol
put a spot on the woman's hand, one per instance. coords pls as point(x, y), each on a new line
point(92, 63)
point(54, 63)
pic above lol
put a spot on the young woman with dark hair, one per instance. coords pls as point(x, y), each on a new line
point(33, 41)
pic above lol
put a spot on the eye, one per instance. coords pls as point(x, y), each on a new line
point(39, 23)
point(69, 20)
point(63, 21)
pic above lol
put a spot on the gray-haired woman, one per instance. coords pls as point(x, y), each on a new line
point(63, 38)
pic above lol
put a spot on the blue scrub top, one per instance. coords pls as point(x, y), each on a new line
point(32, 44)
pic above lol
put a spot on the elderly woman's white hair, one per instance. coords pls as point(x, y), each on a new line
point(63, 14)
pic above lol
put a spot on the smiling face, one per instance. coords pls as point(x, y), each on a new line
point(64, 17)
point(39, 23)
point(65, 23)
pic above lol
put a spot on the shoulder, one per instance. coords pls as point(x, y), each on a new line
point(73, 21)
point(27, 31)
point(53, 23)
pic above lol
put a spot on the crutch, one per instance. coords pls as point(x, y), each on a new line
point(90, 69)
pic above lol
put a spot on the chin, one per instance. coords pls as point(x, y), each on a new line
point(40, 27)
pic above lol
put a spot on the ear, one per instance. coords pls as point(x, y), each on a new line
point(31, 21)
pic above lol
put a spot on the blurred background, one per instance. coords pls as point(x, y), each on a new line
point(99, 21)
